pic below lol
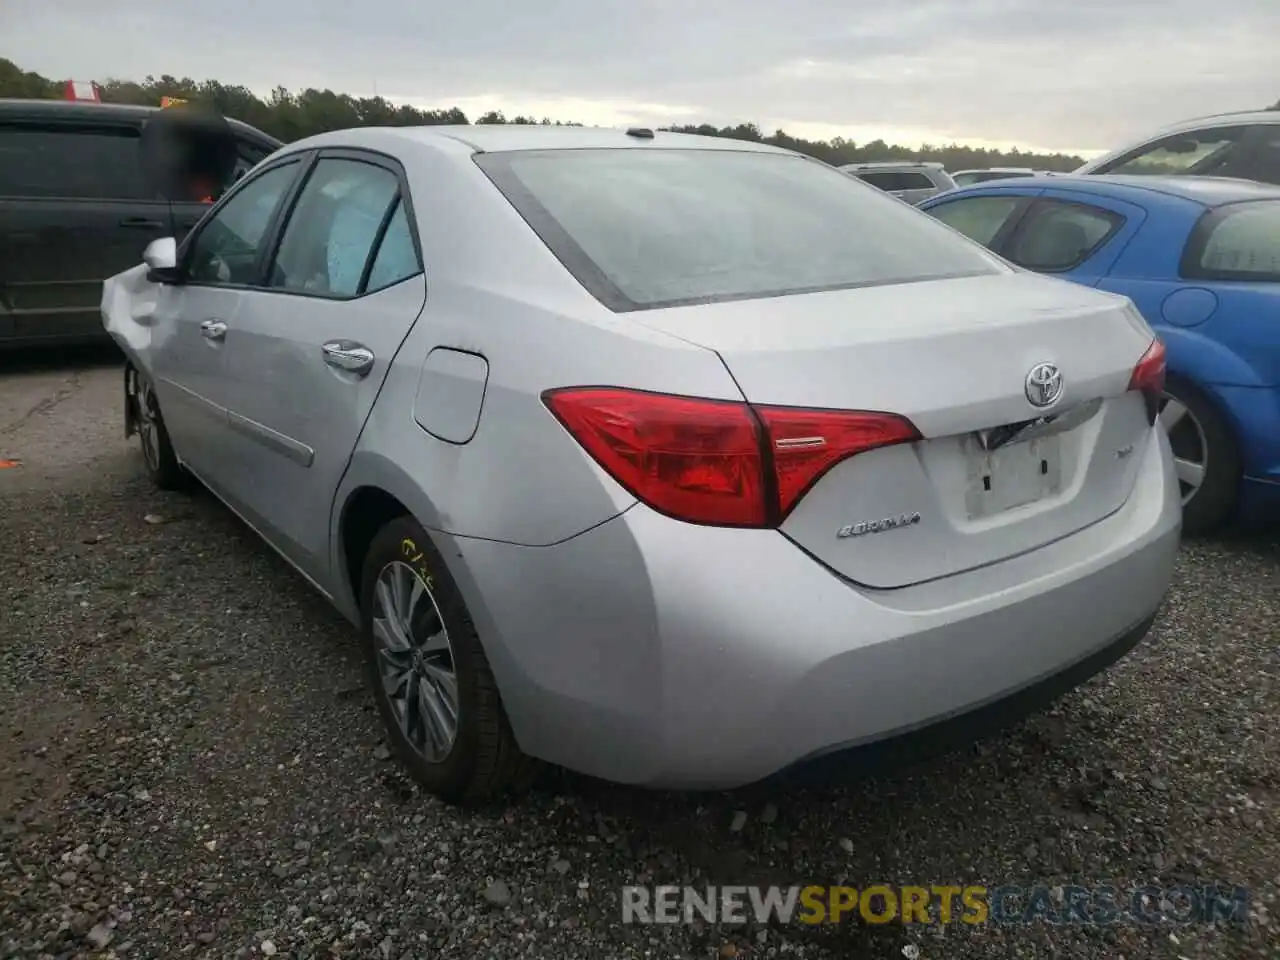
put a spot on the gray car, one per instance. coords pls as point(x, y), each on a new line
point(1243, 146)
point(668, 459)
point(910, 180)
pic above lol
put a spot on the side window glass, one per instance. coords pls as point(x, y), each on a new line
point(331, 233)
point(909, 180)
point(91, 163)
point(1057, 236)
point(1257, 157)
point(248, 156)
point(978, 218)
point(396, 258)
point(226, 249)
point(885, 181)
point(1200, 152)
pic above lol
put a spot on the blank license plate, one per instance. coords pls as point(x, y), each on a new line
point(1012, 476)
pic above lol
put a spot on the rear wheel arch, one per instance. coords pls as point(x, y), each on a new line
point(367, 510)
point(379, 533)
point(1214, 502)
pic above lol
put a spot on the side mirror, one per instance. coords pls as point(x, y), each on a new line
point(161, 258)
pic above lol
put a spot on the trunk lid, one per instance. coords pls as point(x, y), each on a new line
point(953, 356)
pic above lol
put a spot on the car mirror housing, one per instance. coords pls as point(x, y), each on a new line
point(161, 258)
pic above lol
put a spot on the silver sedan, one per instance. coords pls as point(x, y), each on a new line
point(672, 460)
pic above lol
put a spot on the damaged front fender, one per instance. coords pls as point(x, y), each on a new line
point(128, 309)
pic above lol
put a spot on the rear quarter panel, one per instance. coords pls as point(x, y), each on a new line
point(1230, 337)
point(496, 291)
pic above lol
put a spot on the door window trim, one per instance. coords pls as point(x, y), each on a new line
point(1116, 219)
point(303, 159)
point(403, 196)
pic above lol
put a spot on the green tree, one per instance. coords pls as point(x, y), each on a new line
point(291, 115)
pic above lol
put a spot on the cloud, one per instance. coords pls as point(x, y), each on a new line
point(1085, 75)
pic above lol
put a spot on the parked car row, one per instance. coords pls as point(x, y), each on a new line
point(655, 370)
point(659, 427)
point(1200, 258)
point(1186, 224)
point(1243, 145)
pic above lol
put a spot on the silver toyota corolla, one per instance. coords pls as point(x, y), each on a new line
point(671, 460)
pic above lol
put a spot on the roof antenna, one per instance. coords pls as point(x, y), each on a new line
point(640, 133)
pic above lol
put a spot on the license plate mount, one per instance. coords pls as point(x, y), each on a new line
point(1012, 476)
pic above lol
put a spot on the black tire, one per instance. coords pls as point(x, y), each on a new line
point(484, 762)
point(1215, 501)
point(157, 449)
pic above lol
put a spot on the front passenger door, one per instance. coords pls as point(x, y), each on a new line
point(196, 318)
point(311, 348)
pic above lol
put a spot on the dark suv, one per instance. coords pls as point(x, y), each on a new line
point(75, 209)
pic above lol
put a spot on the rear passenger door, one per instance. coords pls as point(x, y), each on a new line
point(307, 354)
point(74, 210)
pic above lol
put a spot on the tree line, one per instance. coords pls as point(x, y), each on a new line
point(290, 116)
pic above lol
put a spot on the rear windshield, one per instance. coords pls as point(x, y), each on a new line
point(643, 228)
point(1239, 241)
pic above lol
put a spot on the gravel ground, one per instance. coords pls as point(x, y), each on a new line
point(189, 765)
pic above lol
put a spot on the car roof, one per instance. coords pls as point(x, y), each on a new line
point(499, 138)
point(1206, 191)
point(893, 165)
point(92, 111)
point(1222, 120)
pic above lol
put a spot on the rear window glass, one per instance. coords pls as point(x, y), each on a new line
point(1240, 241)
point(644, 228)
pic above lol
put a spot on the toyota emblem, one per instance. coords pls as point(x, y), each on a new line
point(1044, 385)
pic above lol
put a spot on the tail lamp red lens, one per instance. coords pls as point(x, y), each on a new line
point(1148, 377)
point(717, 462)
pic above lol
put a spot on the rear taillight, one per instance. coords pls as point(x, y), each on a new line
point(717, 462)
point(1148, 377)
point(805, 444)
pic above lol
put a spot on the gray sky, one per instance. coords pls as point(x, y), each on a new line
point(1072, 75)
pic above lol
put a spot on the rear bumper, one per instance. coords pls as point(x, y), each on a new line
point(654, 652)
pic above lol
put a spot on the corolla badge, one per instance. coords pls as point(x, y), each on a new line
point(863, 527)
point(1044, 385)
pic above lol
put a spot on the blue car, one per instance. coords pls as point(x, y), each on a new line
point(1200, 257)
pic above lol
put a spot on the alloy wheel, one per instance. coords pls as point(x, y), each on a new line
point(415, 661)
point(1190, 447)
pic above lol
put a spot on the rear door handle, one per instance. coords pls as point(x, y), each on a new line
point(213, 329)
point(141, 223)
point(349, 356)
